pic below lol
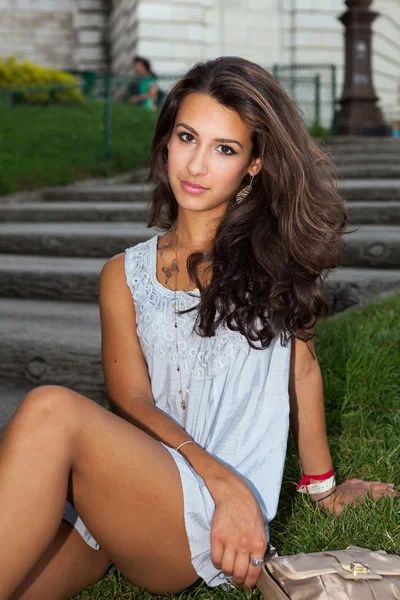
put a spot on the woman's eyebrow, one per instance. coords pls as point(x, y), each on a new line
point(220, 140)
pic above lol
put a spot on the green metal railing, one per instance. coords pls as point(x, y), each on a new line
point(87, 80)
point(112, 88)
point(313, 88)
point(107, 117)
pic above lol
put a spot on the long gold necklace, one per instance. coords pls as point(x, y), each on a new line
point(184, 396)
point(174, 267)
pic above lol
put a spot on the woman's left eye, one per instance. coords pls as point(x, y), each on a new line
point(227, 150)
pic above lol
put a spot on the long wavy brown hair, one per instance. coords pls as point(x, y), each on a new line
point(272, 252)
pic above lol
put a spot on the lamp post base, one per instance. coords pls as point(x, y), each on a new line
point(361, 116)
point(359, 113)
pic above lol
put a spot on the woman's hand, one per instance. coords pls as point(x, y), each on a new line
point(354, 491)
point(237, 532)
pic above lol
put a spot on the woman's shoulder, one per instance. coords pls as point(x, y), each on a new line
point(139, 256)
point(126, 265)
point(140, 262)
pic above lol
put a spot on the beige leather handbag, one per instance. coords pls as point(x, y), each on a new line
point(351, 574)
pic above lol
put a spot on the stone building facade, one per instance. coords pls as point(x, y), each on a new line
point(177, 33)
point(174, 34)
point(69, 34)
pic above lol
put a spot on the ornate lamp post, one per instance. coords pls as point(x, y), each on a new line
point(359, 113)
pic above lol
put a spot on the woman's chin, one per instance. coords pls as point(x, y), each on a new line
point(198, 204)
point(193, 203)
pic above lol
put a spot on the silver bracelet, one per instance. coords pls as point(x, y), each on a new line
point(183, 443)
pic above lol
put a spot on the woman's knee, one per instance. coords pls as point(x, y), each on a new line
point(49, 403)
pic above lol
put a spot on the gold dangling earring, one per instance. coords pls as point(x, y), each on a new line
point(245, 191)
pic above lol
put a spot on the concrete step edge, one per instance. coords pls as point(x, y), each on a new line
point(77, 227)
point(117, 230)
point(106, 207)
point(67, 212)
point(50, 265)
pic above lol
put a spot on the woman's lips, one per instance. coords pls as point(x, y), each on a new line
point(193, 188)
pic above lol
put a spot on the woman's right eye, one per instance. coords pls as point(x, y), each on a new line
point(183, 136)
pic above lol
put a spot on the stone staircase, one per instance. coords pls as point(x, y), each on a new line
point(364, 158)
point(53, 248)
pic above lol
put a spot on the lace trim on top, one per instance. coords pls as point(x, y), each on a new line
point(156, 331)
point(141, 266)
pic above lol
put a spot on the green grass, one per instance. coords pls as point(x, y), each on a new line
point(57, 145)
point(359, 355)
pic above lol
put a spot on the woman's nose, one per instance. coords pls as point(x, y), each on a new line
point(198, 165)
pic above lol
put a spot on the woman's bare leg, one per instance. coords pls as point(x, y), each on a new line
point(126, 488)
point(67, 567)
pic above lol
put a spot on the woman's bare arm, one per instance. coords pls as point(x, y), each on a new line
point(307, 413)
point(308, 427)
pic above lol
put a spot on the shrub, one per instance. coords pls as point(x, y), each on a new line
point(53, 86)
point(316, 130)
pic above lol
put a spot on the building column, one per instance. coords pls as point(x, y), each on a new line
point(123, 34)
point(90, 27)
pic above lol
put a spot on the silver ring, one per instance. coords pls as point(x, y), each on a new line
point(256, 562)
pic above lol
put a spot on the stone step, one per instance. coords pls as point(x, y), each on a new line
point(131, 192)
point(46, 277)
point(344, 159)
point(361, 142)
point(378, 190)
point(46, 212)
point(45, 342)
point(347, 287)
point(373, 246)
point(375, 212)
point(71, 239)
point(367, 171)
point(367, 151)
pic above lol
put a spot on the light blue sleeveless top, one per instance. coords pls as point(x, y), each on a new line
point(238, 405)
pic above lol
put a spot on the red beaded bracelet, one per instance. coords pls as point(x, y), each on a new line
point(306, 480)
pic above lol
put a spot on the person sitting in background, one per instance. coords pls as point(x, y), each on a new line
point(143, 91)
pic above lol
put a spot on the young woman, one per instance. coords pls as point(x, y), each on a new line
point(207, 342)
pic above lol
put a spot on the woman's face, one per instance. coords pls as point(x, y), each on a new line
point(139, 68)
point(209, 154)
